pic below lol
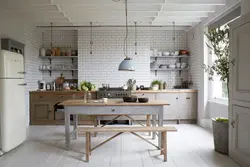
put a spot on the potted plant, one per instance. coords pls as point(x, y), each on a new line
point(218, 42)
point(155, 84)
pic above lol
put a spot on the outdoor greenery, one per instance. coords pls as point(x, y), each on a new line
point(218, 42)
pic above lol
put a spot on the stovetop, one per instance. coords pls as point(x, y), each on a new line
point(112, 93)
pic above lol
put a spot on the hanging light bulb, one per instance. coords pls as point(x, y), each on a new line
point(127, 63)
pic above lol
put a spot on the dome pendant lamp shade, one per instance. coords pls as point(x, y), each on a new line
point(126, 65)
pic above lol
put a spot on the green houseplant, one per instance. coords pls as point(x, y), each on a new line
point(218, 43)
point(155, 84)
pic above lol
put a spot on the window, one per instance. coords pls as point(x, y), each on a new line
point(218, 89)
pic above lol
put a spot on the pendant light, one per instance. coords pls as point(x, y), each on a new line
point(127, 63)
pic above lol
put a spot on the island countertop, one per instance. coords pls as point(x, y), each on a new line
point(112, 103)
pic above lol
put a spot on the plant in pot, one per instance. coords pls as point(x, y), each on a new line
point(155, 84)
point(86, 87)
point(218, 43)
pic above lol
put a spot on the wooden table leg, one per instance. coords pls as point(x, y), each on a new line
point(164, 145)
point(149, 123)
point(75, 118)
point(67, 128)
point(154, 124)
point(95, 124)
point(87, 146)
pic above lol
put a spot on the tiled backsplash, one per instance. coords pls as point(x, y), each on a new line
point(102, 65)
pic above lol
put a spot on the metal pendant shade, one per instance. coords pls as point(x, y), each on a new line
point(127, 63)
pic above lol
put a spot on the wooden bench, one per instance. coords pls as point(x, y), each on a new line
point(120, 130)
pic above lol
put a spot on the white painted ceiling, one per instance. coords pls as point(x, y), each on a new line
point(108, 12)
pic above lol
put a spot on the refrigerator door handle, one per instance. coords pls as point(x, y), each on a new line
point(21, 72)
point(23, 84)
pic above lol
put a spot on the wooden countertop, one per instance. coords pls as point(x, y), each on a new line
point(112, 103)
point(62, 91)
point(167, 91)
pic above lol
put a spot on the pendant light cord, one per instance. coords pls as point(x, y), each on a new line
point(51, 34)
point(135, 38)
point(174, 38)
point(91, 37)
point(125, 45)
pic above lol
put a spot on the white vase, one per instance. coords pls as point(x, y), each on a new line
point(134, 87)
point(155, 87)
point(42, 52)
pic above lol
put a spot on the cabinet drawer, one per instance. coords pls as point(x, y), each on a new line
point(42, 97)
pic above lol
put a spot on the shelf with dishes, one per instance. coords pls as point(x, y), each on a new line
point(58, 67)
point(169, 67)
point(50, 58)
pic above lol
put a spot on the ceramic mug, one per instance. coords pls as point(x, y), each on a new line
point(105, 100)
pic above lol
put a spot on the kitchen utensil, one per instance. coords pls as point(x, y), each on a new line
point(143, 100)
point(165, 53)
point(178, 65)
point(130, 99)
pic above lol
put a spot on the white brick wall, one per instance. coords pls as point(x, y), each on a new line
point(60, 38)
point(102, 65)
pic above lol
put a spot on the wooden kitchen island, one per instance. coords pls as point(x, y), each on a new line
point(112, 107)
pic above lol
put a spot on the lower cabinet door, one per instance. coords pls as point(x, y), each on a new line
point(240, 133)
point(42, 112)
point(170, 111)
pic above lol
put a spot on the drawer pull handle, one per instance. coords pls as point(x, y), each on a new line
point(188, 98)
point(113, 110)
point(177, 98)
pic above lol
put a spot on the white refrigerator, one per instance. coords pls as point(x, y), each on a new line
point(12, 101)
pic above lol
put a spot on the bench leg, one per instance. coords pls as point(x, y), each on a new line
point(87, 146)
point(154, 124)
point(149, 123)
point(95, 124)
point(164, 145)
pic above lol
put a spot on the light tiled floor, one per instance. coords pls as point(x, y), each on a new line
point(191, 146)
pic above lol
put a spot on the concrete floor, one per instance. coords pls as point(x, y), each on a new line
point(191, 146)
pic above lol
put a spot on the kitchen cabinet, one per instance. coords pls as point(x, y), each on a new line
point(41, 112)
point(183, 106)
point(43, 107)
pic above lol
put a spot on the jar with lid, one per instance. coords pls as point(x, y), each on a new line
point(161, 86)
point(165, 86)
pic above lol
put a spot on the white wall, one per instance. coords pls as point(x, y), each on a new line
point(206, 110)
point(245, 7)
point(25, 33)
point(102, 65)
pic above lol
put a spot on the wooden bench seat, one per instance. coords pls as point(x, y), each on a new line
point(120, 130)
